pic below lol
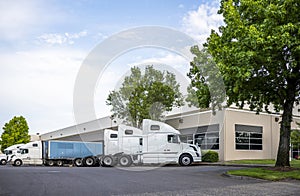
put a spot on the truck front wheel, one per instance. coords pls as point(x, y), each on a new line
point(125, 161)
point(3, 162)
point(185, 160)
point(17, 162)
point(108, 161)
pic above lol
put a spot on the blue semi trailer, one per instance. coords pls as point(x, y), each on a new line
point(56, 152)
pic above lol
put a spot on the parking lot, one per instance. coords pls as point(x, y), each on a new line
point(171, 180)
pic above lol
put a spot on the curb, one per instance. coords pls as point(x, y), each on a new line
point(234, 165)
point(243, 177)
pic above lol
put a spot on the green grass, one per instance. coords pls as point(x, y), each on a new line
point(295, 163)
point(267, 173)
point(259, 161)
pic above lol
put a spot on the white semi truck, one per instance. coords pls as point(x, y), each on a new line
point(156, 143)
point(9, 152)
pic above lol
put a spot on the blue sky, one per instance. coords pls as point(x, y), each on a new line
point(43, 44)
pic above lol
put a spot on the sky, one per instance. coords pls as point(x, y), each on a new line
point(43, 45)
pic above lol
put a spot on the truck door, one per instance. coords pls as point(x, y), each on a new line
point(170, 149)
point(25, 156)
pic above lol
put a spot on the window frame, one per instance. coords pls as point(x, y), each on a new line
point(248, 137)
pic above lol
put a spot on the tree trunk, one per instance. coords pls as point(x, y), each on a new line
point(285, 131)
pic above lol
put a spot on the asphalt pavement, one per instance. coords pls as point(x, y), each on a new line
point(171, 180)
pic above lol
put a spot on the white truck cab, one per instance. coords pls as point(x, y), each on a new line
point(30, 153)
point(9, 152)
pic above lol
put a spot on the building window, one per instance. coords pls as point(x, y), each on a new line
point(207, 137)
point(248, 137)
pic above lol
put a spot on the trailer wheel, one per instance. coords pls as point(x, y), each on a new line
point(125, 161)
point(108, 161)
point(18, 162)
point(3, 162)
point(89, 161)
point(60, 163)
point(185, 160)
point(78, 162)
point(50, 163)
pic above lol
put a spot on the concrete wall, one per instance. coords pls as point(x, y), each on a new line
point(227, 120)
point(270, 135)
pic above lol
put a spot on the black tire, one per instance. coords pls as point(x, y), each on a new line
point(89, 161)
point(78, 162)
point(59, 163)
point(185, 160)
point(50, 163)
point(125, 161)
point(3, 162)
point(18, 162)
point(108, 161)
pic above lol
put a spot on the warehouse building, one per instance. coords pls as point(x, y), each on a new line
point(234, 133)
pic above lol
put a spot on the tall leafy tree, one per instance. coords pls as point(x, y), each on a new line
point(258, 54)
point(15, 132)
point(145, 95)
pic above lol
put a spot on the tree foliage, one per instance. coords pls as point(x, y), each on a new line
point(258, 54)
point(145, 96)
point(207, 87)
point(15, 132)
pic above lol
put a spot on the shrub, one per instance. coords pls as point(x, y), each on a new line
point(210, 156)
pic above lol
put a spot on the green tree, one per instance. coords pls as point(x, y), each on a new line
point(15, 132)
point(258, 54)
point(145, 96)
point(207, 87)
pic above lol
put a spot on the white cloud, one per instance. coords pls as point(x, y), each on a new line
point(200, 22)
point(39, 85)
point(14, 17)
point(56, 38)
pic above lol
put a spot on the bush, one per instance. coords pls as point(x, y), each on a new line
point(210, 156)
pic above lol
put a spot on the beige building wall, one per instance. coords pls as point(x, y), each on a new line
point(270, 135)
point(227, 120)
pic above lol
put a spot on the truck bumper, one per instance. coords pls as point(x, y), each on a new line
point(197, 159)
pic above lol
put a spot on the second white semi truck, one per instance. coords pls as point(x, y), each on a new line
point(156, 143)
